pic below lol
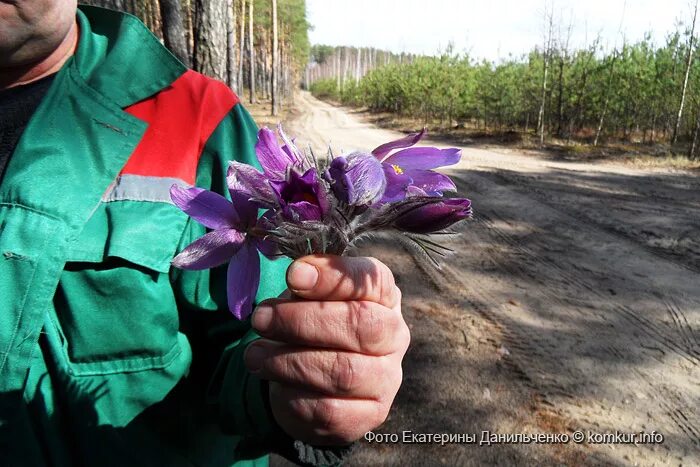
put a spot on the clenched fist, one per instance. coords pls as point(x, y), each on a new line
point(332, 352)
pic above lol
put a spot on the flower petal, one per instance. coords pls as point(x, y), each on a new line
point(267, 247)
point(367, 180)
point(246, 179)
point(413, 191)
point(210, 250)
point(432, 182)
point(380, 151)
point(289, 147)
point(302, 211)
point(273, 160)
point(206, 207)
point(243, 279)
point(424, 158)
point(396, 184)
point(340, 182)
point(319, 189)
point(302, 195)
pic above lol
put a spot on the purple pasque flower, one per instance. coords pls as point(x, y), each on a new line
point(411, 166)
point(275, 161)
point(301, 197)
point(356, 179)
point(433, 216)
point(229, 240)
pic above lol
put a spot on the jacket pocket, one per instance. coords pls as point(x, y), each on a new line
point(115, 305)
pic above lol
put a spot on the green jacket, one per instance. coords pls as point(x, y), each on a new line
point(108, 356)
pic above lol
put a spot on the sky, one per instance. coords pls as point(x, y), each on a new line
point(490, 29)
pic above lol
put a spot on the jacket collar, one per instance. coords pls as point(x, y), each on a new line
point(80, 137)
point(120, 58)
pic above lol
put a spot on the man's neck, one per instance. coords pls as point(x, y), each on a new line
point(17, 76)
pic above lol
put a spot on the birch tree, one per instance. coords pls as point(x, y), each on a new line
point(241, 45)
point(547, 46)
point(275, 60)
point(231, 75)
point(684, 88)
point(251, 52)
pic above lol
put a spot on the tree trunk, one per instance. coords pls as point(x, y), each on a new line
point(560, 97)
point(607, 97)
point(286, 59)
point(231, 45)
point(209, 56)
point(696, 130)
point(153, 17)
point(688, 63)
point(119, 5)
point(241, 47)
point(543, 102)
point(337, 70)
point(174, 34)
point(146, 14)
point(600, 122)
point(262, 69)
point(251, 51)
point(189, 27)
point(275, 60)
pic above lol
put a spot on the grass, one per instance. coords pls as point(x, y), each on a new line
point(641, 155)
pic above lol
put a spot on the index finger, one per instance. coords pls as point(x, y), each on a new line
point(340, 278)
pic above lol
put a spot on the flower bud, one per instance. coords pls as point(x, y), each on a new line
point(433, 217)
point(357, 179)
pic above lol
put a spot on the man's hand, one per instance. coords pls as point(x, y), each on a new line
point(333, 351)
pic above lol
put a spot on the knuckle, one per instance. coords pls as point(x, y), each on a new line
point(398, 294)
point(300, 407)
point(392, 375)
point(395, 383)
point(344, 373)
point(381, 412)
point(285, 317)
point(326, 413)
point(370, 274)
point(403, 335)
point(369, 324)
point(288, 367)
point(385, 279)
point(289, 320)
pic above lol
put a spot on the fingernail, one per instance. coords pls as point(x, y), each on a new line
point(254, 357)
point(262, 317)
point(302, 276)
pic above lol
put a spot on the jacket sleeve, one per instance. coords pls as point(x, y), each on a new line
point(218, 340)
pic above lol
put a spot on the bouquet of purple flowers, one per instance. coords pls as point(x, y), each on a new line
point(314, 205)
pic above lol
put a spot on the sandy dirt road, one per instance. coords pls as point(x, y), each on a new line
point(572, 303)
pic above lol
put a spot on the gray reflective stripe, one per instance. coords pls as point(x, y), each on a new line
point(141, 188)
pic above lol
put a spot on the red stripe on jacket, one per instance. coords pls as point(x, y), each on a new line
point(181, 118)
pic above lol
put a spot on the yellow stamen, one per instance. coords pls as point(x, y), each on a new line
point(397, 169)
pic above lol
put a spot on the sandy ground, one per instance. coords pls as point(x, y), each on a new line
point(572, 302)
